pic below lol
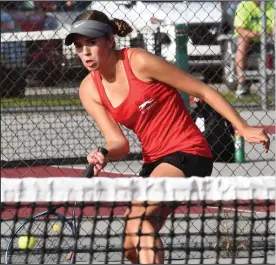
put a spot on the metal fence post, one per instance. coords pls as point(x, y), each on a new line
point(157, 42)
point(274, 33)
point(182, 53)
point(262, 63)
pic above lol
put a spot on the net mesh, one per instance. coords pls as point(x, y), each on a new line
point(71, 220)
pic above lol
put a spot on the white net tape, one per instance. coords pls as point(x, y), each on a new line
point(139, 189)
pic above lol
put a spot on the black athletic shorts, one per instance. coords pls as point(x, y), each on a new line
point(191, 165)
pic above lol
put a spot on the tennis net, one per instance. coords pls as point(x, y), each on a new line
point(229, 220)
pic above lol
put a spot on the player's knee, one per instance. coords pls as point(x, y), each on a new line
point(129, 250)
point(139, 227)
point(131, 255)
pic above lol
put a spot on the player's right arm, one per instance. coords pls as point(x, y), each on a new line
point(116, 142)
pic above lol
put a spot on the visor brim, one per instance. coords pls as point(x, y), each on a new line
point(88, 33)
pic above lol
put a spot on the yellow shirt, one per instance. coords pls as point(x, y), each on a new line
point(248, 16)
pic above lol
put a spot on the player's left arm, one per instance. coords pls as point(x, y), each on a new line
point(154, 68)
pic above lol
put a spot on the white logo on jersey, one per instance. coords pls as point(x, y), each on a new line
point(147, 105)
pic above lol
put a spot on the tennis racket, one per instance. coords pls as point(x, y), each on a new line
point(42, 226)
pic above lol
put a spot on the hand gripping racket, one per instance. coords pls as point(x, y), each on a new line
point(89, 172)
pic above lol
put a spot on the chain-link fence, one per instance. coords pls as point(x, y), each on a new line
point(43, 122)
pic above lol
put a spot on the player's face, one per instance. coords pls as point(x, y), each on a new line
point(93, 52)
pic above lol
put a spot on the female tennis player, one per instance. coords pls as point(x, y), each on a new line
point(134, 88)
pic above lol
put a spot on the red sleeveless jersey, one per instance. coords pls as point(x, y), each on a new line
point(157, 114)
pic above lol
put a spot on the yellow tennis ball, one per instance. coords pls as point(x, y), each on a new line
point(56, 227)
point(26, 242)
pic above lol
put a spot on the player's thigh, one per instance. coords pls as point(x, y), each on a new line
point(150, 208)
point(179, 164)
point(134, 223)
point(166, 170)
point(157, 208)
point(155, 212)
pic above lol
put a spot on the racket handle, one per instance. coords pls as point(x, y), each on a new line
point(89, 172)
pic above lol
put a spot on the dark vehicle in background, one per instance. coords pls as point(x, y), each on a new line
point(37, 60)
point(205, 52)
point(42, 58)
point(201, 18)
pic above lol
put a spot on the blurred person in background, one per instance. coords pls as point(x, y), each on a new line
point(28, 16)
point(8, 24)
point(247, 31)
point(50, 22)
point(46, 6)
